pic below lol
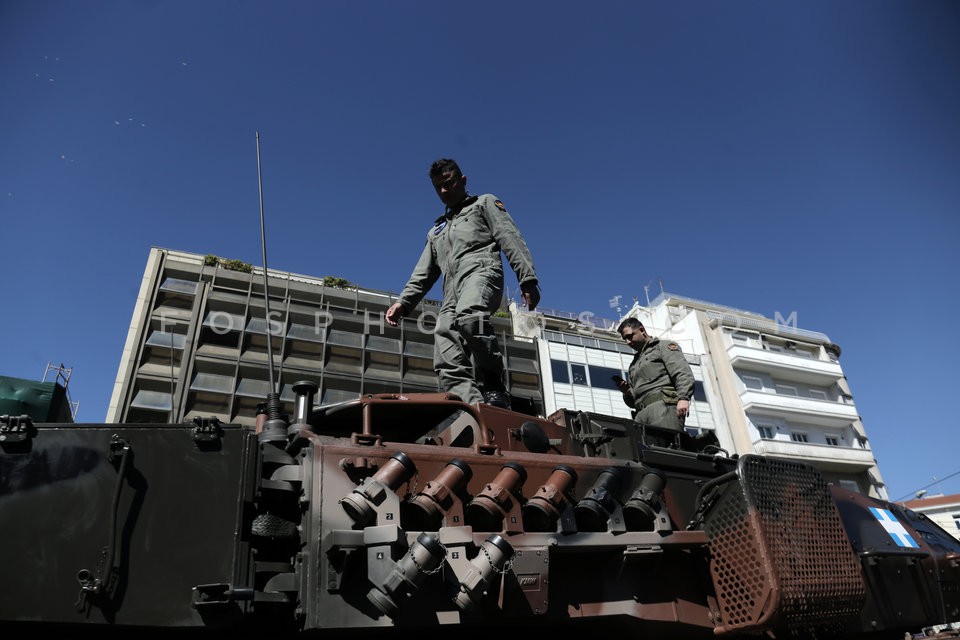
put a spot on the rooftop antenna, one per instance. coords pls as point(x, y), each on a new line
point(275, 429)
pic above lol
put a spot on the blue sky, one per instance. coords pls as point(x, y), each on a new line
point(791, 157)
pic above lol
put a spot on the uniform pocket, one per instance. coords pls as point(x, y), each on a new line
point(669, 395)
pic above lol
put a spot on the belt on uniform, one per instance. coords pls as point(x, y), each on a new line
point(650, 397)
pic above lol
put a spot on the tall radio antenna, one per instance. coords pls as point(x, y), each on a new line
point(266, 292)
point(273, 397)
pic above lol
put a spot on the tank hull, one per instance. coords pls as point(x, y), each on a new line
point(396, 513)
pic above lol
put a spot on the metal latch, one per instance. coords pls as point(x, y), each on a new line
point(15, 428)
point(206, 429)
point(220, 593)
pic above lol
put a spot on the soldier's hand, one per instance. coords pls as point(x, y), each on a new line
point(683, 408)
point(530, 294)
point(394, 313)
point(622, 384)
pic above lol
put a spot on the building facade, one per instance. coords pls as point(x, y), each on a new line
point(197, 343)
point(762, 385)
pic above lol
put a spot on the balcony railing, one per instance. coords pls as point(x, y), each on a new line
point(796, 367)
point(768, 327)
point(822, 455)
point(586, 319)
point(819, 412)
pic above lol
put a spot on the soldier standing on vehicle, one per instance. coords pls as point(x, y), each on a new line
point(464, 246)
point(661, 381)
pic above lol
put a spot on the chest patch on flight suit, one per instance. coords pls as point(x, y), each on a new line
point(673, 346)
point(437, 229)
point(499, 205)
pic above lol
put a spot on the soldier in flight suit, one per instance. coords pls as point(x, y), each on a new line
point(661, 381)
point(464, 245)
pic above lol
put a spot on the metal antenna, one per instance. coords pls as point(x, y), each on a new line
point(173, 383)
point(273, 397)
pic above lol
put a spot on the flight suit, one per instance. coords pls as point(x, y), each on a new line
point(464, 245)
point(659, 377)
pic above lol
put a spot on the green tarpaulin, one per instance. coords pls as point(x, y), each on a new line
point(42, 401)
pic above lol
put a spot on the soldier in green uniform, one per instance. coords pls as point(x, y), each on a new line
point(464, 246)
point(661, 381)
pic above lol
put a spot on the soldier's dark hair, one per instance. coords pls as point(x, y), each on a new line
point(443, 165)
point(633, 323)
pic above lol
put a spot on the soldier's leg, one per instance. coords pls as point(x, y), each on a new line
point(479, 298)
point(451, 359)
point(662, 415)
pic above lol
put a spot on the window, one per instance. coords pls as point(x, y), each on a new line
point(798, 436)
point(165, 339)
point(956, 520)
point(222, 322)
point(153, 400)
point(578, 373)
point(817, 394)
point(752, 382)
point(179, 286)
point(560, 371)
point(766, 431)
point(601, 377)
point(833, 441)
point(786, 390)
point(698, 392)
point(850, 485)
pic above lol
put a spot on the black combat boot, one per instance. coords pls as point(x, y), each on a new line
point(497, 399)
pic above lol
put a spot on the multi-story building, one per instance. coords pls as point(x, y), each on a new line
point(762, 385)
point(579, 355)
point(197, 347)
point(942, 509)
point(197, 344)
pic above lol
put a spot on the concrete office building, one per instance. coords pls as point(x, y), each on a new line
point(197, 343)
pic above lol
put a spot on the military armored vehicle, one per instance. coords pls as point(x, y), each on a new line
point(399, 513)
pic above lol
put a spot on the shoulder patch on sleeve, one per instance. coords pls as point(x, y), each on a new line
point(673, 346)
point(499, 205)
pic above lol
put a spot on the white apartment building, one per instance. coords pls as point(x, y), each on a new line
point(762, 385)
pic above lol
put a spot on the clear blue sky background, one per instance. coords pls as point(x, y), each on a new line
point(771, 156)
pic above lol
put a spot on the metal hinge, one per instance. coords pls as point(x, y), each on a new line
point(207, 429)
point(16, 428)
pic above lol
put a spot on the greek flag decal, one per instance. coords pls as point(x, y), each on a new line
point(894, 528)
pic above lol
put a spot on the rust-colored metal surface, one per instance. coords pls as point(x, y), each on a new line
point(779, 554)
